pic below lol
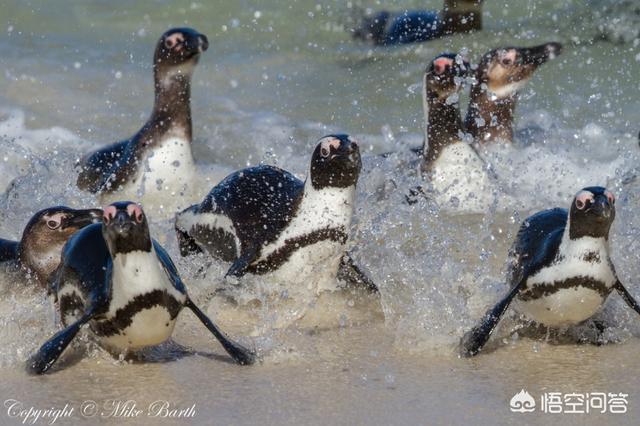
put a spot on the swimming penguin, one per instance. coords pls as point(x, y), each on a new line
point(265, 220)
point(124, 284)
point(500, 75)
point(411, 26)
point(561, 272)
point(451, 165)
point(38, 251)
point(157, 160)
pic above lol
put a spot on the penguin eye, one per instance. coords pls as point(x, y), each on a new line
point(507, 61)
point(610, 197)
point(53, 224)
point(324, 152)
point(134, 210)
point(169, 43)
point(580, 204)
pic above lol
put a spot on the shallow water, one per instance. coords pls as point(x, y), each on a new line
point(277, 77)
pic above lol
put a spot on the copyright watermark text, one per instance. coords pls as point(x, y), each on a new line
point(110, 408)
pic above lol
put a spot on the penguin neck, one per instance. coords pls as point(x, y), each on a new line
point(329, 204)
point(577, 246)
point(460, 16)
point(172, 106)
point(443, 128)
point(490, 117)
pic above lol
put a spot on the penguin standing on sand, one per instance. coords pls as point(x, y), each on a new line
point(124, 284)
point(265, 220)
point(500, 75)
point(412, 26)
point(561, 271)
point(38, 251)
point(157, 159)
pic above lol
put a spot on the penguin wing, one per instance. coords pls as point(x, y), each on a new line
point(169, 267)
point(97, 167)
point(8, 250)
point(85, 257)
point(260, 202)
point(536, 244)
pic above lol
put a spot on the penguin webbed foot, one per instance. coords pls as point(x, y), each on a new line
point(187, 244)
point(239, 353)
point(474, 340)
point(415, 194)
point(351, 273)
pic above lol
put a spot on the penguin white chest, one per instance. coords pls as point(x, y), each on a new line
point(144, 303)
point(460, 174)
point(317, 235)
point(569, 291)
point(166, 168)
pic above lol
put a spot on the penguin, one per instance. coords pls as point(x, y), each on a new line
point(560, 268)
point(158, 159)
point(121, 282)
point(38, 251)
point(452, 166)
point(499, 76)
point(265, 220)
point(412, 26)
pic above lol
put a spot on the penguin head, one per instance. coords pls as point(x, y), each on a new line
point(372, 27)
point(505, 70)
point(125, 228)
point(179, 47)
point(335, 162)
point(445, 75)
point(48, 231)
point(592, 213)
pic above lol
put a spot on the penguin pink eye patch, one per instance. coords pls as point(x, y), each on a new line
point(610, 197)
point(327, 144)
point(174, 40)
point(108, 213)
point(440, 65)
point(134, 210)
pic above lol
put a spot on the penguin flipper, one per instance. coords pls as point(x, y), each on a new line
point(627, 297)
point(241, 264)
point(51, 350)
point(239, 353)
point(474, 340)
point(95, 168)
point(169, 267)
point(8, 250)
point(351, 273)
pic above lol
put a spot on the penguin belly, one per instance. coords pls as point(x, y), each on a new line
point(164, 178)
point(313, 267)
point(144, 304)
point(461, 180)
point(565, 307)
point(566, 293)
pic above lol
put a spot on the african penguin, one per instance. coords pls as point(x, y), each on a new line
point(265, 220)
point(156, 163)
point(411, 26)
point(124, 284)
point(560, 269)
point(38, 251)
point(451, 165)
point(500, 75)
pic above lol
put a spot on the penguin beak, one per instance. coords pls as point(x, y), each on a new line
point(348, 150)
point(82, 218)
point(122, 223)
point(197, 43)
point(538, 55)
point(601, 208)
